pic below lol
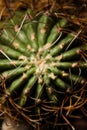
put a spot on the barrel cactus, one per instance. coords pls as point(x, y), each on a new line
point(43, 68)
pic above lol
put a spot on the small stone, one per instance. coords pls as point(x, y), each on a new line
point(11, 124)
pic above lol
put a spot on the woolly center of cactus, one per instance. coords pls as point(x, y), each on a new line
point(43, 61)
point(43, 64)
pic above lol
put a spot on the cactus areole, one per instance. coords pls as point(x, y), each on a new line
point(43, 67)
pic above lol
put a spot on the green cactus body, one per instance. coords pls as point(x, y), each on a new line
point(41, 62)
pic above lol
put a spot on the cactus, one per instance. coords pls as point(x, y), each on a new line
point(43, 67)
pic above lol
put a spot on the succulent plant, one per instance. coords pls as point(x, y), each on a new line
point(43, 67)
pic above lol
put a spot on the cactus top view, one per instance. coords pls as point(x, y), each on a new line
point(43, 68)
